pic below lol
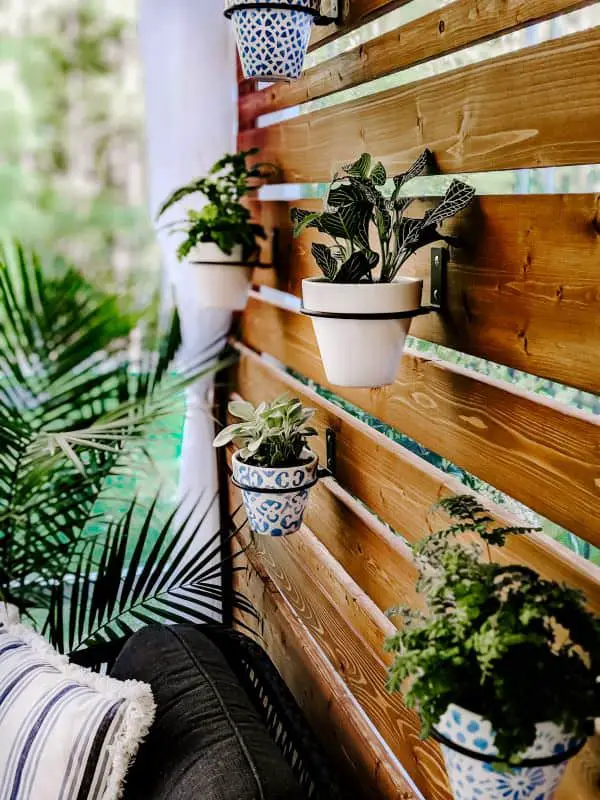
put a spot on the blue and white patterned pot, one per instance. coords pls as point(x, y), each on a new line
point(276, 513)
point(471, 779)
point(272, 41)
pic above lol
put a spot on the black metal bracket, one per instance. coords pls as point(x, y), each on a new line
point(330, 12)
point(439, 272)
point(330, 442)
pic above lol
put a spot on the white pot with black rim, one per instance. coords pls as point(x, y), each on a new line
point(218, 280)
point(272, 36)
point(361, 327)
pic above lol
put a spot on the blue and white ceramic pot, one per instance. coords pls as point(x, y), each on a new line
point(276, 497)
point(272, 36)
point(472, 779)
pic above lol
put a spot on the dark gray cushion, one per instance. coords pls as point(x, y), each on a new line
point(208, 742)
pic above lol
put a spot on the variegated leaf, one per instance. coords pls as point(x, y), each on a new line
point(325, 260)
point(457, 197)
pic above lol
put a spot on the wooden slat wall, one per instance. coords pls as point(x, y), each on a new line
point(523, 292)
point(534, 108)
point(436, 34)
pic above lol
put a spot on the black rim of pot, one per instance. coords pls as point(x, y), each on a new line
point(547, 761)
point(273, 490)
point(417, 312)
point(271, 6)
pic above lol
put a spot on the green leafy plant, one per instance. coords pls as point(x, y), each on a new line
point(497, 640)
point(75, 406)
point(358, 210)
point(223, 220)
point(272, 434)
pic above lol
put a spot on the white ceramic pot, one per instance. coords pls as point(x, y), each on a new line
point(361, 352)
point(471, 778)
point(216, 279)
point(279, 512)
point(272, 37)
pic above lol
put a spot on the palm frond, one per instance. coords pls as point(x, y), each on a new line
point(75, 402)
point(145, 573)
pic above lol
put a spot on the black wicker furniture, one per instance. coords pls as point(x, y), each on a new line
point(181, 771)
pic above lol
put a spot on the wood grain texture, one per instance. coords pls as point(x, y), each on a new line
point(345, 731)
point(536, 451)
point(538, 107)
point(444, 31)
point(524, 291)
point(401, 489)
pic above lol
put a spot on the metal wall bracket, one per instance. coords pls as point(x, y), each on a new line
point(330, 442)
point(330, 12)
point(439, 269)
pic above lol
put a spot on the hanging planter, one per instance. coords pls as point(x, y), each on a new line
point(216, 279)
point(272, 37)
point(497, 637)
point(361, 307)
point(220, 248)
point(467, 742)
point(361, 328)
point(275, 499)
point(274, 469)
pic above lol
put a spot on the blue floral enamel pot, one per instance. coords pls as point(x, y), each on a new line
point(276, 497)
point(272, 36)
point(473, 779)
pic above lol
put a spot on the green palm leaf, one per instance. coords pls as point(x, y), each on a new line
point(74, 408)
point(175, 581)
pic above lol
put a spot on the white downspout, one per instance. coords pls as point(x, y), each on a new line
point(188, 54)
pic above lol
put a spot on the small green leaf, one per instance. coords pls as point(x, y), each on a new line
point(378, 174)
point(360, 168)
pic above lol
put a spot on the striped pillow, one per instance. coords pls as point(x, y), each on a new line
point(65, 732)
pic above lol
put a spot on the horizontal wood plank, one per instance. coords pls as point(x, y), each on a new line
point(439, 33)
point(538, 107)
point(524, 291)
point(400, 488)
point(538, 452)
point(345, 731)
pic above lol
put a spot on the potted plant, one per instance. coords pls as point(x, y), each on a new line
point(220, 247)
point(272, 37)
point(274, 467)
point(502, 667)
point(362, 307)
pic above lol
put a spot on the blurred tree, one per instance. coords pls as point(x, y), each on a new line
point(71, 136)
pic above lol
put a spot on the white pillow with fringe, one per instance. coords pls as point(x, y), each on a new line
point(66, 733)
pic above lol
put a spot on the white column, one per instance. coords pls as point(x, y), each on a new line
point(188, 54)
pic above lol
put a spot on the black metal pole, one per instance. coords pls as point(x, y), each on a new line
point(221, 398)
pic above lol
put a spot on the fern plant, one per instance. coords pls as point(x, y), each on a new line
point(497, 640)
point(358, 211)
point(74, 409)
point(224, 220)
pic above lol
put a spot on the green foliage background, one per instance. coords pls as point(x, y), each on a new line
point(71, 135)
